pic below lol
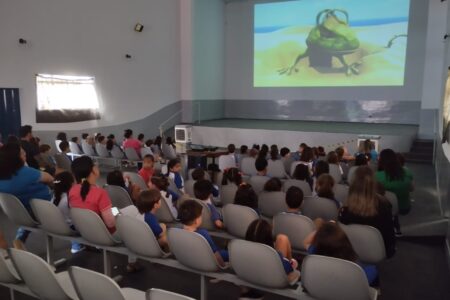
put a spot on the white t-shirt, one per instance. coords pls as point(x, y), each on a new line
point(63, 206)
point(168, 198)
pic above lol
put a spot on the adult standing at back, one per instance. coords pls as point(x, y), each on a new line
point(22, 181)
point(30, 149)
point(131, 142)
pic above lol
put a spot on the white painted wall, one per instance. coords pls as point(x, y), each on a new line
point(86, 37)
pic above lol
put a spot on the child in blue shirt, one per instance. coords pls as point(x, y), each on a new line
point(190, 215)
point(173, 172)
point(203, 191)
point(294, 200)
point(199, 174)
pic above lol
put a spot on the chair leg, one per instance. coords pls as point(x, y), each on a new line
point(106, 263)
point(203, 288)
point(11, 294)
point(51, 253)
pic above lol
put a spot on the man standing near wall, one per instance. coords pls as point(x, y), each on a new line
point(30, 149)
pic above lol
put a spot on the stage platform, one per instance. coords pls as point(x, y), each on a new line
point(220, 132)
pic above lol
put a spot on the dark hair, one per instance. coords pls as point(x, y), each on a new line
point(161, 182)
point(284, 151)
point(246, 196)
point(231, 148)
point(202, 189)
point(244, 149)
point(189, 211)
point(64, 145)
point(307, 155)
point(322, 167)
point(44, 148)
point(116, 178)
point(147, 200)
point(331, 240)
point(81, 168)
point(264, 151)
point(303, 145)
point(361, 159)
point(63, 182)
point(148, 143)
point(12, 139)
point(332, 157)
point(101, 138)
point(260, 231)
point(198, 174)
point(109, 144)
point(25, 130)
point(260, 163)
point(74, 139)
point(140, 136)
point(273, 185)
point(256, 146)
point(62, 136)
point(111, 137)
point(294, 197)
point(401, 159)
point(340, 152)
point(390, 164)
point(127, 133)
point(158, 140)
point(324, 186)
point(321, 151)
point(172, 163)
point(84, 135)
point(232, 175)
point(301, 172)
point(274, 154)
point(169, 140)
point(148, 156)
point(10, 160)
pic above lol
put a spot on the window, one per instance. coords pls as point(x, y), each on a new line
point(63, 98)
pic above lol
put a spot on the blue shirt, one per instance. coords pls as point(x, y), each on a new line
point(26, 185)
point(204, 233)
point(215, 215)
point(286, 264)
point(153, 223)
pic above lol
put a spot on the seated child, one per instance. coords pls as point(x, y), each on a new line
point(294, 200)
point(147, 170)
point(46, 161)
point(118, 179)
point(161, 184)
point(330, 240)
point(173, 172)
point(246, 196)
point(273, 185)
point(199, 174)
point(190, 214)
point(324, 188)
point(203, 191)
point(232, 176)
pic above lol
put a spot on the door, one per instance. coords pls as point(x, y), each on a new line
point(10, 120)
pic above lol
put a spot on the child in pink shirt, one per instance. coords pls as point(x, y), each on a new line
point(131, 142)
point(147, 170)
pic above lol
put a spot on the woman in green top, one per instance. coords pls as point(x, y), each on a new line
point(395, 178)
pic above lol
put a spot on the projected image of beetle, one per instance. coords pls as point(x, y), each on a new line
point(333, 37)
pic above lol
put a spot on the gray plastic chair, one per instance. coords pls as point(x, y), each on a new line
point(367, 242)
point(294, 164)
point(335, 172)
point(138, 237)
point(131, 154)
point(351, 173)
point(145, 151)
point(329, 278)
point(189, 187)
point(275, 168)
point(87, 149)
point(117, 153)
point(119, 196)
point(137, 179)
point(248, 166)
point(10, 279)
point(101, 150)
point(157, 294)
point(340, 193)
point(301, 184)
point(16, 212)
point(57, 142)
point(258, 264)
point(258, 182)
point(226, 162)
point(287, 162)
point(272, 203)
point(164, 214)
point(90, 285)
point(207, 223)
point(237, 218)
point(316, 207)
point(296, 227)
point(63, 162)
point(75, 149)
point(227, 193)
point(393, 200)
point(40, 278)
point(168, 151)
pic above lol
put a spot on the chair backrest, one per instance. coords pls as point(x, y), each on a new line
point(168, 151)
point(138, 237)
point(294, 164)
point(74, 148)
point(15, 211)
point(101, 150)
point(227, 193)
point(63, 161)
point(164, 214)
point(287, 162)
point(173, 187)
point(8, 273)
point(91, 285)
point(301, 184)
point(131, 154)
point(189, 187)
point(329, 278)
point(57, 142)
point(91, 227)
point(275, 168)
point(116, 152)
point(192, 250)
point(258, 183)
point(393, 200)
point(351, 173)
point(87, 149)
point(137, 179)
point(296, 227)
point(37, 275)
point(367, 242)
point(50, 217)
point(237, 218)
point(226, 162)
point(145, 151)
point(207, 223)
point(335, 172)
point(272, 203)
point(248, 166)
point(257, 263)
point(119, 196)
point(157, 294)
point(340, 192)
point(317, 207)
